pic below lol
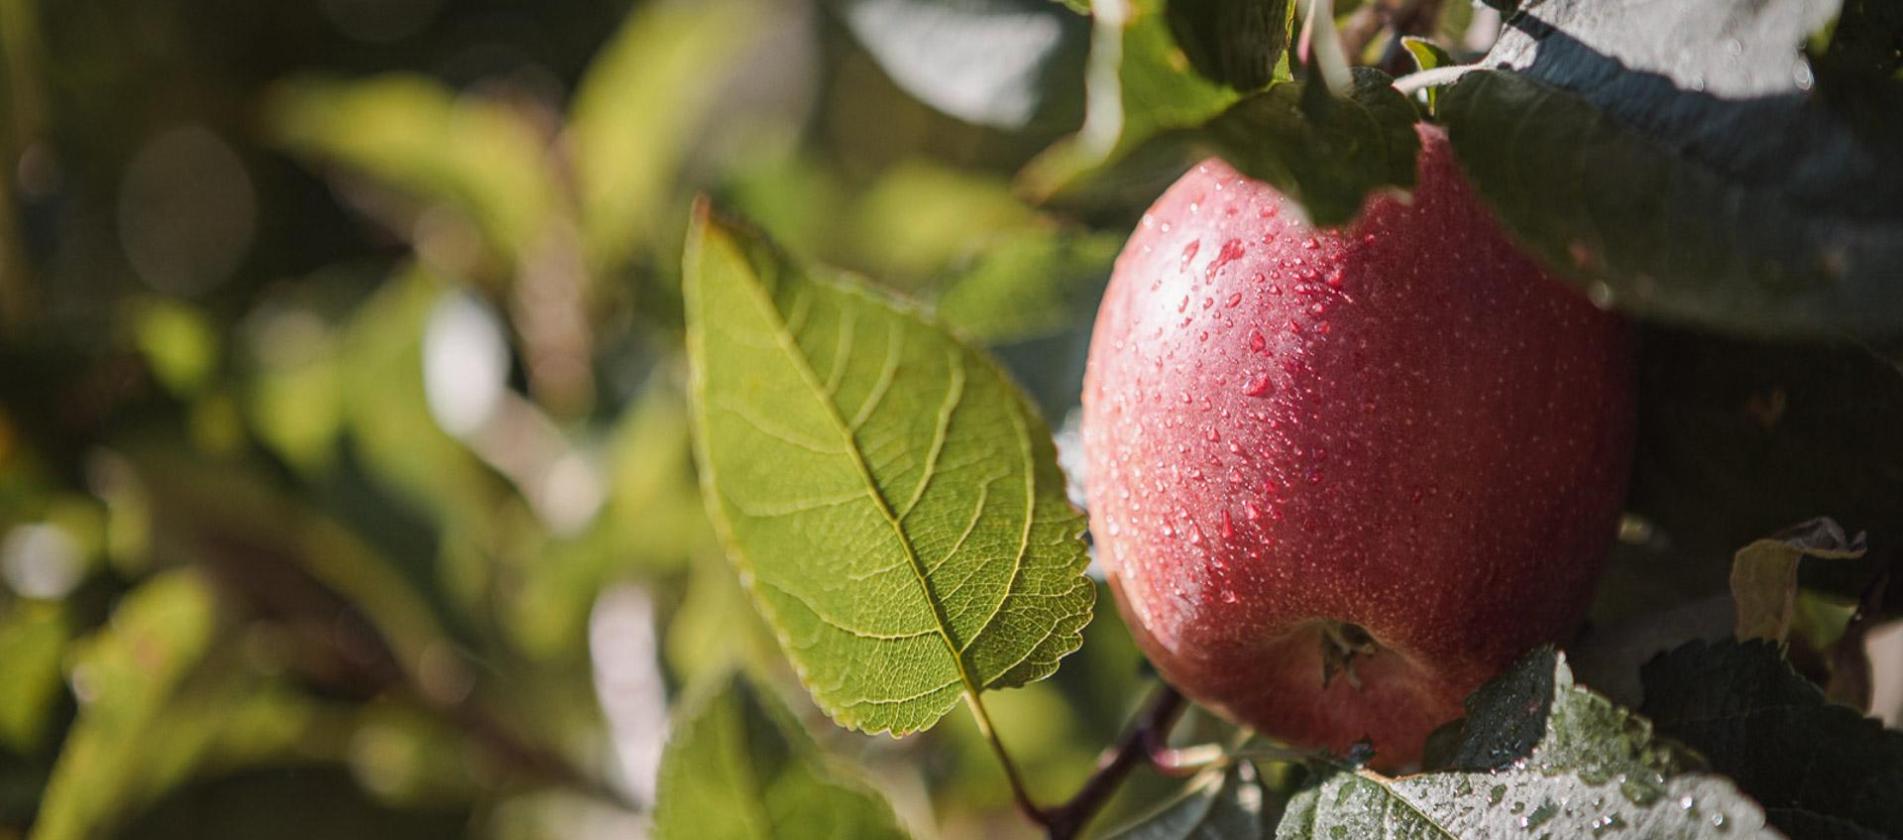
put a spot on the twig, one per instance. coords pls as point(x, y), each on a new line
point(1146, 738)
point(1019, 793)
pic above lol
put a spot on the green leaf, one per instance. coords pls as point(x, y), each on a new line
point(737, 766)
point(636, 112)
point(1031, 285)
point(1329, 158)
point(1820, 770)
point(1150, 117)
point(154, 707)
point(1236, 42)
point(990, 62)
point(1224, 803)
point(1428, 55)
point(1673, 159)
point(33, 638)
point(1764, 574)
point(1138, 86)
point(1537, 756)
point(413, 135)
point(891, 498)
point(918, 219)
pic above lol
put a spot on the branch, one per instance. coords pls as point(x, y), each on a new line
point(1145, 740)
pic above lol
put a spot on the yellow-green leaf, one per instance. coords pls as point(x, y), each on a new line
point(891, 498)
point(737, 767)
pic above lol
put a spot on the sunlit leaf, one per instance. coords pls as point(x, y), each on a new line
point(413, 135)
point(1681, 160)
point(637, 109)
point(892, 499)
point(1030, 285)
point(737, 766)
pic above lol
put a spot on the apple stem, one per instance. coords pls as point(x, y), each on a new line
point(1144, 741)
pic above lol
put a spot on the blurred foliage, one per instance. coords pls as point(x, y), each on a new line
point(340, 382)
point(346, 485)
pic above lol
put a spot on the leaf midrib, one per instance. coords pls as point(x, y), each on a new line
point(789, 345)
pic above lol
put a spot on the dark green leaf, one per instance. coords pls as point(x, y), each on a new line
point(1227, 803)
point(991, 62)
point(1139, 86)
point(1329, 161)
point(1819, 769)
point(891, 498)
point(1236, 42)
point(1151, 117)
point(737, 767)
point(1541, 757)
point(1670, 157)
point(1740, 439)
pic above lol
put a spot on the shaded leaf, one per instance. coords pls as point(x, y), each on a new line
point(1764, 574)
point(1672, 158)
point(892, 500)
point(1820, 770)
point(1536, 754)
point(737, 766)
point(990, 62)
point(1739, 439)
point(1228, 803)
point(1329, 160)
point(1236, 42)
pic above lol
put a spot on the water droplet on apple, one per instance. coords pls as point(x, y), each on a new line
point(1259, 385)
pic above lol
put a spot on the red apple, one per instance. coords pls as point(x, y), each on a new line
point(1341, 478)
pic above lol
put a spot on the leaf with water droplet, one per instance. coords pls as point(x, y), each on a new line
point(1532, 743)
point(1811, 762)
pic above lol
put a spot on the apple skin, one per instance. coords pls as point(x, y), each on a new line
point(1402, 427)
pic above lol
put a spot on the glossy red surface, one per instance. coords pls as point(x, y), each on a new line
point(1402, 424)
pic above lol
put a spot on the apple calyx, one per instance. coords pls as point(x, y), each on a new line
point(1342, 642)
